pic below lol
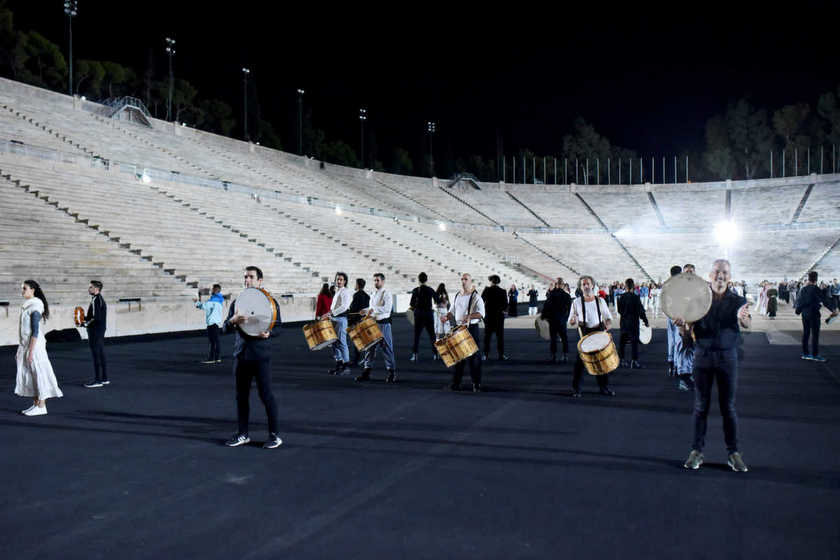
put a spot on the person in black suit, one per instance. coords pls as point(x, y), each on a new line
point(808, 304)
point(96, 322)
point(423, 300)
point(631, 310)
point(361, 300)
point(495, 304)
point(555, 310)
point(252, 359)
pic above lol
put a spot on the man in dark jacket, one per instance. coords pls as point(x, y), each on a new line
point(631, 310)
point(423, 299)
point(96, 322)
point(556, 309)
point(808, 303)
point(495, 304)
point(252, 358)
point(361, 300)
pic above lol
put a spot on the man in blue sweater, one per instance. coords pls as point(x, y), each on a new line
point(213, 308)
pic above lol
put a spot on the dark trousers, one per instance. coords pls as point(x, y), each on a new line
point(720, 366)
point(423, 320)
point(245, 370)
point(497, 326)
point(97, 349)
point(215, 345)
point(628, 335)
point(811, 328)
point(603, 382)
point(474, 362)
point(558, 328)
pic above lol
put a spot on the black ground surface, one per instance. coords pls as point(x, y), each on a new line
point(137, 469)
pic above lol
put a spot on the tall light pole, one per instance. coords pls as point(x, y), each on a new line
point(71, 8)
point(245, 72)
point(300, 121)
point(431, 127)
point(362, 119)
point(170, 51)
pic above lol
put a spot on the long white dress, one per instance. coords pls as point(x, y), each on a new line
point(36, 379)
point(441, 329)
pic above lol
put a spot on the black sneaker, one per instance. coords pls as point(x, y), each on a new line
point(635, 364)
point(273, 442)
point(452, 387)
point(607, 392)
point(237, 440)
point(391, 377)
point(365, 375)
point(477, 388)
point(346, 370)
point(339, 367)
point(624, 364)
point(565, 358)
point(92, 385)
point(575, 394)
point(504, 358)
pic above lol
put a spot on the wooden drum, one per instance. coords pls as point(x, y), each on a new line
point(319, 334)
point(456, 346)
point(365, 334)
point(597, 351)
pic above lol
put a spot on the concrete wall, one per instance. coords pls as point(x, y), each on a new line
point(156, 317)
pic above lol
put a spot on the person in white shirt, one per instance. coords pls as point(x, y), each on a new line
point(592, 314)
point(338, 312)
point(381, 305)
point(467, 309)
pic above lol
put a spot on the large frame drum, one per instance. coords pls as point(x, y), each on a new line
point(319, 334)
point(686, 296)
point(365, 334)
point(598, 354)
point(456, 346)
point(259, 310)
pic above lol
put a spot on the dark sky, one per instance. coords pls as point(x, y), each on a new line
point(648, 77)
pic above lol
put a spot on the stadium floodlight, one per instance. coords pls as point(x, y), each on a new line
point(431, 128)
point(300, 93)
point(727, 233)
point(145, 178)
point(362, 119)
point(170, 52)
point(338, 211)
point(245, 72)
point(71, 8)
point(441, 226)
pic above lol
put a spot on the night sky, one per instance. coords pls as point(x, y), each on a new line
point(647, 77)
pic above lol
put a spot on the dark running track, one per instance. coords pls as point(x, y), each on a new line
point(137, 470)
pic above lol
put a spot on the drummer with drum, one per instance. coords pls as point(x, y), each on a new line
point(381, 305)
point(591, 314)
point(339, 311)
point(467, 310)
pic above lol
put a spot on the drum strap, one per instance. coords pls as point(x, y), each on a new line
point(584, 328)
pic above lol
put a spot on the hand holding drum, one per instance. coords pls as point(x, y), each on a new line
point(686, 298)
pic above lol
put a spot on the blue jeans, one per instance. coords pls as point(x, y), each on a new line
point(341, 352)
point(720, 366)
point(387, 346)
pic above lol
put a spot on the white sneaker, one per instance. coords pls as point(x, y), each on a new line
point(36, 411)
point(28, 409)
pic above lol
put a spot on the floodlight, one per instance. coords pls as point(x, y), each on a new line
point(726, 233)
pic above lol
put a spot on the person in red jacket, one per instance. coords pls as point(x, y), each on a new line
point(324, 301)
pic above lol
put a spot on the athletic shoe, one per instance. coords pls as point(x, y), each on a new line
point(477, 388)
point(36, 411)
point(391, 377)
point(452, 387)
point(435, 357)
point(819, 358)
point(807, 357)
point(624, 363)
point(106, 382)
point(607, 392)
point(93, 384)
point(209, 362)
point(504, 358)
point(635, 365)
point(413, 357)
point(484, 357)
point(273, 442)
point(218, 361)
point(736, 462)
point(683, 386)
point(576, 394)
point(237, 440)
point(28, 409)
point(346, 370)
point(695, 459)
point(339, 367)
point(565, 358)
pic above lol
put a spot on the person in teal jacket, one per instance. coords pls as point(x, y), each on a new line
point(213, 309)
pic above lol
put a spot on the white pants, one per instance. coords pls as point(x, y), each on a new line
point(532, 311)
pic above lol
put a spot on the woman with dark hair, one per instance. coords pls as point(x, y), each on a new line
point(324, 301)
point(35, 376)
point(441, 309)
point(513, 301)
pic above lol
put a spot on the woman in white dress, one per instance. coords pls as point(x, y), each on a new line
point(441, 309)
point(35, 376)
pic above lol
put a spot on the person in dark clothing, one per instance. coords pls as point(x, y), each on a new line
point(361, 300)
point(632, 311)
point(556, 312)
point(532, 301)
point(96, 323)
point(513, 301)
point(423, 300)
point(716, 338)
point(808, 303)
point(252, 359)
point(495, 303)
